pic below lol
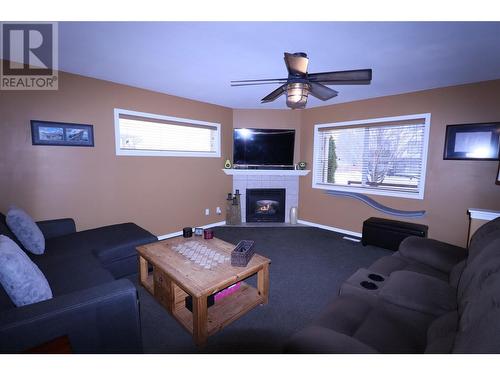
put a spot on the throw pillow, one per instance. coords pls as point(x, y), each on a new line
point(20, 277)
point(26, 230)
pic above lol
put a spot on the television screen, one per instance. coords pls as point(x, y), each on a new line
point(263, 147)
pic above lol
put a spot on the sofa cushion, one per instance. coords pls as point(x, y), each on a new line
point(70, 245)
point(109, 243)
point(456, 273)
point(74, 273)
point(119, 241)
point(482, 337)
point(443, 345)
point(26, 231)
point(441, 333)
point(477, 272)
point(20, 277)
point(4, 229)
point(113, 245)
point(5, 301)
point(437, 254)
point(419, 292)
point(389, 264)
point(483, 300)
point(319, 340)
point(479, 326)
point(345, 314)
point(382, 326)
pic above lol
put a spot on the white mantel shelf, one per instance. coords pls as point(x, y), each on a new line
point(266, 172)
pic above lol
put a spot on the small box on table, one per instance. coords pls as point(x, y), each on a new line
point(242, 253)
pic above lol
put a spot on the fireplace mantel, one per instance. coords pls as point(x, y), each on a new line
point(266, 172)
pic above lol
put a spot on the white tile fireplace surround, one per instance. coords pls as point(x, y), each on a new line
point(244, 179)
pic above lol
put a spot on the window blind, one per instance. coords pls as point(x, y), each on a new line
point(140, 133)
point(383, 156)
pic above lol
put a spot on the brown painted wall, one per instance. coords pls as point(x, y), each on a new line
point(164, 194)
point(270, 119)
point(451, 186)
point(93, 185)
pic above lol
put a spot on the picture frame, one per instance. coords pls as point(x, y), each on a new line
point(49, 133)
point(472, 141)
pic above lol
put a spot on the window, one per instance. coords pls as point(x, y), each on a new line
point(138, 133)
point(384, 156)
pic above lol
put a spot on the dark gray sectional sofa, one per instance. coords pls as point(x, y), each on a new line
point(429, 297)
point(96, 310)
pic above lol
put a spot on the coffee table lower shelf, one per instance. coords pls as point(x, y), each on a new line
point(224, 311)
point(220, 315)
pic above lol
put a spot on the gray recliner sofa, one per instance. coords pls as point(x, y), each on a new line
point(93, 307)
point(436, 298)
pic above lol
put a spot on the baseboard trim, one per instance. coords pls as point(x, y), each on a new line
point(351, 239)
point(304, 222)
point(332, 229)
point(179, 233)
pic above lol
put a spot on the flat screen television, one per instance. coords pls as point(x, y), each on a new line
point(254, 148)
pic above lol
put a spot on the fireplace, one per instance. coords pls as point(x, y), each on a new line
point(265, 205)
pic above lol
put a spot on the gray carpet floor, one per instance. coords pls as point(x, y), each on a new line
point(308, 265)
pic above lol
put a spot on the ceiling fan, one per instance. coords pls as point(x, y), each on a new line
point(300, 84)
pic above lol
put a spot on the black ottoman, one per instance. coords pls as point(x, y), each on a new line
point(389, 233)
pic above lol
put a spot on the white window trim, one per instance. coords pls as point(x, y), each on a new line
point(122, 152)
point(420, 195)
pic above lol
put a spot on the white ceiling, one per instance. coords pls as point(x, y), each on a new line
point(197, 60)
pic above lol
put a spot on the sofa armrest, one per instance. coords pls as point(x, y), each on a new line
point(321, 340)
point(57, 227)
point(102, 319)
point(439, 255)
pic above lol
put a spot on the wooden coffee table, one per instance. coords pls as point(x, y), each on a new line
point(175, 276)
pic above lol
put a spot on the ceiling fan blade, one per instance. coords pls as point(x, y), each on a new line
point(274, 95)
point(321, 92)
point(296, 64)
point(254, 84)
point(345, 77)
point(258, 81)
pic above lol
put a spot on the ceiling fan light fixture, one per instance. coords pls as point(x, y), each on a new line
point(299, 83)
point(296, 95)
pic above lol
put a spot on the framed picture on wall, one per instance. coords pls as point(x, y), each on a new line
point(48, 133)
point(472, 141)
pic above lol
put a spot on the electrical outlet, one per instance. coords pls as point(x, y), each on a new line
point(218, 211)
point(207, 211)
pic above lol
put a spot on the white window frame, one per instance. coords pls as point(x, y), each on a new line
point(374, 191)
point(120, 151)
